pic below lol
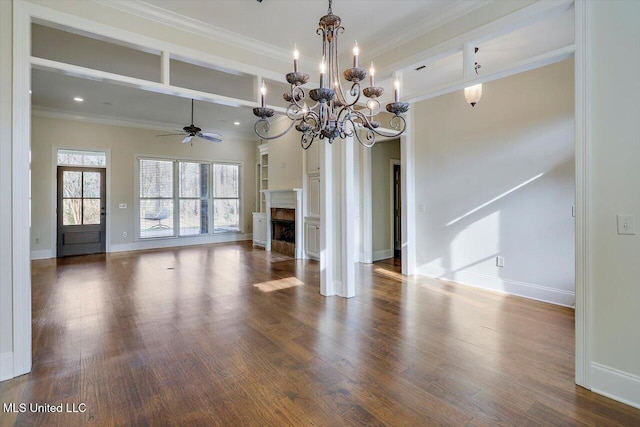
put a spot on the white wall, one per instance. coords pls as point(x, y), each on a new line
point(285, 157)
point(381, 154)
point(6, 281)
point(124, 144)
point(498, 179)
point(615, 126)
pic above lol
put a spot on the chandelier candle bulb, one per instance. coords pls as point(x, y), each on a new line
point(372, 72)
point(323, 74)
point(296, 57)
point(396, 90)
point(263, 93)
point(356, 53)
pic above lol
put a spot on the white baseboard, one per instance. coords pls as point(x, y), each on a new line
point(6, 366)
point(615, 384)
point(383, 254)
point(42, 254)
point(512, 287)
point(186, 241)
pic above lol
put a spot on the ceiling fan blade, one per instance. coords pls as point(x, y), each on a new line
point(171, 134)
point(209, 138)
point(213, 134)
point(187, 139)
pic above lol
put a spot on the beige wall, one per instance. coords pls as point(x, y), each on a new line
point(381, 155)
point(285, 158)
point(615, 126)
point(124, 144)
point(6, 320)
point(498, 180)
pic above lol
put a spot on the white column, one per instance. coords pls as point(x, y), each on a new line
point(348, 217)
point(366, 209)
point(327, 223)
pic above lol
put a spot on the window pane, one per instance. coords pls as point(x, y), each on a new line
point(72, 211)
point(226, 215)
point(156, 218)
point(91, 211)
point(194, 217)
point(194, 178)
point(82, 158)
point(71, 184)
point(156, 178)
point(91, 183)
point(225, 180)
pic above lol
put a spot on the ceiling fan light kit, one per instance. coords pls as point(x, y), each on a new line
point(192, 131)
point(333, 113)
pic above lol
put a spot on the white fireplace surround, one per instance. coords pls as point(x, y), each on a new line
point(290, 199)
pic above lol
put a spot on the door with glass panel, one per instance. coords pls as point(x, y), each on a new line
point(81, 211)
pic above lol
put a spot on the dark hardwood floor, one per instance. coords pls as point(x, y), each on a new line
point(231, 335)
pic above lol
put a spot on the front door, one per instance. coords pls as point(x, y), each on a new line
point(81, 210)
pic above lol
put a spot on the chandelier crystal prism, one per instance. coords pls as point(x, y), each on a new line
point(333, 113)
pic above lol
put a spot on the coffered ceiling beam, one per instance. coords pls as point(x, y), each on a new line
point(516, 68)
point(163, 88)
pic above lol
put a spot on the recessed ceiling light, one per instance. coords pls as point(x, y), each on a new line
point(78, 99)
point(236, 123)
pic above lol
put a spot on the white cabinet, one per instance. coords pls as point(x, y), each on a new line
point(313, 196)
point(313, 158)
point(259, 229)
point(312, 238)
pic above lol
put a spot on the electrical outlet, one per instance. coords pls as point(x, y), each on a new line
point(499, 261)
point(37, 240)
point(124, 234)
point(626, 224)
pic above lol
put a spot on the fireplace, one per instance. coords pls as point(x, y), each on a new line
point(283, 231)
point(284, 222)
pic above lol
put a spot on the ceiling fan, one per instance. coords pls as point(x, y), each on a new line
point(192, 130)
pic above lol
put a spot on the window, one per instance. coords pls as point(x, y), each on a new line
point(194, 203)
point(81, 158)
point(156, 198)
point(188, 198)
point(226, 198)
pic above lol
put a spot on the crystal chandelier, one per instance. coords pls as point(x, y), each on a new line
point(333, 113)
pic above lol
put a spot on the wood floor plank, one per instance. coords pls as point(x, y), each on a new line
point(229, 334)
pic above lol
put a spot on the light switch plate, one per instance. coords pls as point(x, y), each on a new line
point(626, 224)
point(122, 206)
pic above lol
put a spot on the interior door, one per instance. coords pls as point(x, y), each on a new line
point(81, 211)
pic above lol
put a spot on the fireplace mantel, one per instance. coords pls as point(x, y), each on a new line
point(291, 199)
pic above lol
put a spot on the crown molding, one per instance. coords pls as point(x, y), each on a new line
point(453, 11)
point(157, 14)
point(118, 121)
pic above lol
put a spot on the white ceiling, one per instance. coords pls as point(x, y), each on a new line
point(377, 24)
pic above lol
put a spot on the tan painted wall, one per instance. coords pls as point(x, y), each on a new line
point(125, 144)
point(498, 180)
